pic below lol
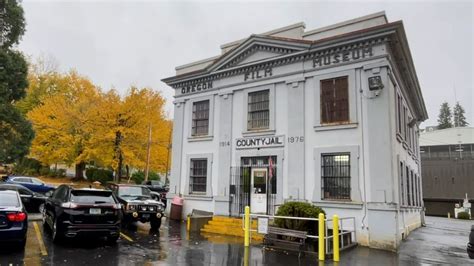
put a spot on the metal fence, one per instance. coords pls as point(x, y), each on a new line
point(240, 188)
point(346, 232)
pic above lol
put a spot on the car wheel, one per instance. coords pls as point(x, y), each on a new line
point(23, 244)
point(112, 240)
point(56, 233)
point(155, 224)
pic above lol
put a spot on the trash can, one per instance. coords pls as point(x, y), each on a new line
point(176, 208)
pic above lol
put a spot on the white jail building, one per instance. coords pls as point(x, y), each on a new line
point(328, 116)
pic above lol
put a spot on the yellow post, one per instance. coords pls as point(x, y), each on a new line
point(321, 230)
point(449, 215)
point(335, 237)
point(188, 224)
point(247, 226)
point(246, 256)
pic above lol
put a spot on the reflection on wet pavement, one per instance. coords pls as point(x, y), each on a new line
point(440, 242)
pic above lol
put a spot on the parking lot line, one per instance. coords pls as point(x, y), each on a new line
point(126, 237)
point(40, 240)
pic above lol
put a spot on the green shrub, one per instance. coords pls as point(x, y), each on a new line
point(139, 176)
point(101, 175)
point(44, 171)
point(28, 166)
point(463, 216)
point(299, 209)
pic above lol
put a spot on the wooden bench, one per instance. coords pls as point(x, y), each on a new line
point(275, 235)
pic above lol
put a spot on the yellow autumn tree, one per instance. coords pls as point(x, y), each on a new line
point(76, 123)
point(58, 122)
point(122, 130)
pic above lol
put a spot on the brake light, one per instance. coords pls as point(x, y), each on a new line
point(16, 217)
point(69, 205)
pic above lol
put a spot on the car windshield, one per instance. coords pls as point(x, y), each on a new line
point(36, 181)
point(156, 183)
point(9, 200)
point(131, 191)
point(91, 196)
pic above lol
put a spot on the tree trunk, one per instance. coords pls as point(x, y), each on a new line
point(80, 167)
point(120, 164)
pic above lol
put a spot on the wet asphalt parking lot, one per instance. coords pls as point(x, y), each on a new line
point(441, 242)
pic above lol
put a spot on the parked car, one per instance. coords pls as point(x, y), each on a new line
point(73, 212)
point(158, 187)
point(13, 219)
point(470, 244)
point(138, 204)
point(32, 183)
point(33, 202)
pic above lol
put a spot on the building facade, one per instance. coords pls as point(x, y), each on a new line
point(328, 116)
point(447, 163)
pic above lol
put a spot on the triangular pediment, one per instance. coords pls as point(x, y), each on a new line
point(257, 49)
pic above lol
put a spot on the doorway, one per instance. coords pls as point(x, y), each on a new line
point(258, 191)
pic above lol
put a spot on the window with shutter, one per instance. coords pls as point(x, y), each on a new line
point(335, 100)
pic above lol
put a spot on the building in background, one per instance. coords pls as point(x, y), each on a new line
point(328, 116)
point(447, 164)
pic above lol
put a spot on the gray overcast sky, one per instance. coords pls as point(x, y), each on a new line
point(118, 44)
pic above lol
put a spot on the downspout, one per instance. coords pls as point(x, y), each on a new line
point(362, 149)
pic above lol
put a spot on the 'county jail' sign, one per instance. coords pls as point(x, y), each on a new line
point(260, 142)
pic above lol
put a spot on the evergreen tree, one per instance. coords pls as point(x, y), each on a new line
point(445, 116)
point(15, 131)
point(458, 115)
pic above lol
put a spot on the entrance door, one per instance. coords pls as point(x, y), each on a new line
point(258, 197)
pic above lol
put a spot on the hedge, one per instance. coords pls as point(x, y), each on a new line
point(299, 209)
point(464, 216)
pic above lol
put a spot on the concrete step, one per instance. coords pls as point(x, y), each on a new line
point(254, 236)
point(232, 224)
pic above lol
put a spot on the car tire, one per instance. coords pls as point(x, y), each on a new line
point(55, 232)
point(155, 224)
point(112, 240)
point(21, 245)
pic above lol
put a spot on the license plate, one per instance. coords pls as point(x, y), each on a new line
point(146, 215)
point(94, 211)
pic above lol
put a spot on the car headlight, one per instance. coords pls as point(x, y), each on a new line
point(131, 207)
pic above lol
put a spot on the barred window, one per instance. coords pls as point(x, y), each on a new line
point(200, 124)
point(399, 113)
point(402, 188)
point(198, 177)
point(409, 185)
point(334, 100)
point(336, 176)
point(258, 110)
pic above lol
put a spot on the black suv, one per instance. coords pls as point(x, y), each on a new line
point(138, 204)
point(470, 244)
point(159, 188)
point(71, 212)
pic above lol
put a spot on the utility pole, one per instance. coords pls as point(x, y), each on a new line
point(168, 156)
point(147, 168)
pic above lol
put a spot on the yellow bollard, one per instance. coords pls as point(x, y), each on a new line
point(246, 256)
point(335, 237)
point(449, 215)
point(321, 230)
point(188, 223)
point(247, 226)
